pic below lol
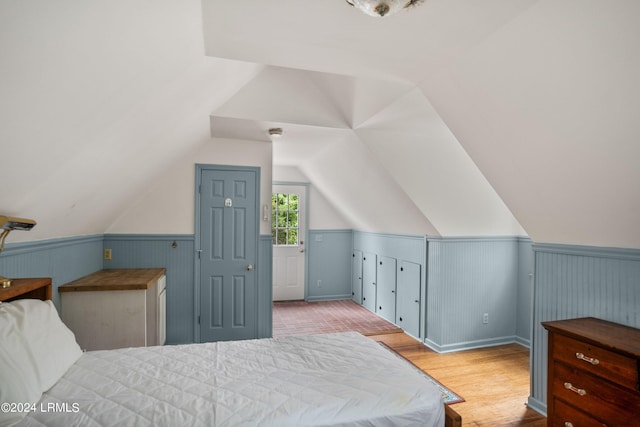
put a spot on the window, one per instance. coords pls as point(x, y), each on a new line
point(284, 219)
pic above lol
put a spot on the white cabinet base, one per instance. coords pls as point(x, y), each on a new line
point(108, 319)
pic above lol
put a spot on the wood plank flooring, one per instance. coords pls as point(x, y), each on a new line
point(493, 381)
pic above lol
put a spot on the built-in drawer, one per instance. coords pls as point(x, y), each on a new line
point(602, 399)
point(568, 416)
point(598, 361)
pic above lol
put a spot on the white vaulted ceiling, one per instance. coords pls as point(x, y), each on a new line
point(475, 110)
point(453, 118)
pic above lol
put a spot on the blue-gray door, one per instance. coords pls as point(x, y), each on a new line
point(408, 306)
point(228, 231)
point(386, 288)
point(369, 261)
point(356, 277)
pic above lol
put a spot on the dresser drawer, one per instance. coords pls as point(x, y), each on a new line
point(601, 399)
point(567, 416)
point(598, 361)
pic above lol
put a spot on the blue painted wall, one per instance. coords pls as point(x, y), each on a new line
point(402, 247)
point(329, 262)
point(580, 281)
point(63, 260)
point(463, 278)
point(68, 259)
point(466, 278)
point(265, 287)
point(147, 251)
point(524, 305)
point(157, 251)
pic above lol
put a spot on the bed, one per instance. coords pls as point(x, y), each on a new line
point(342, 379)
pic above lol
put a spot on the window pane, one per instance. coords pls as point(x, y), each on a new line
point(293, 219)
point(284, 219)
point(293, 202)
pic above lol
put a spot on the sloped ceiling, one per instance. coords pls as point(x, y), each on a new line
point(96, 102)
point(485, 108)
point(452, 118)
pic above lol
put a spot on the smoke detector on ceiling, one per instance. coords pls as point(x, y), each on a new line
point(275, 132)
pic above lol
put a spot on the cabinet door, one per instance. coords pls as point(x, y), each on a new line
point(408, 298)
point(356, 277)
point(386, 292)
point(369, 280)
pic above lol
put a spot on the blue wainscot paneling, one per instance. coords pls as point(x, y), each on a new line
point(524, 305)
point(175, 253)
point(411, 248)
point(63, 260)
point(328, 265)
point(265, 287)
point(466, 279)
point(578, 281)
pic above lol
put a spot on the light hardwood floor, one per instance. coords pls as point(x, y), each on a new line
point(493, 381)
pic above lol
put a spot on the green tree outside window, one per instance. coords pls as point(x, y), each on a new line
point(284, 219)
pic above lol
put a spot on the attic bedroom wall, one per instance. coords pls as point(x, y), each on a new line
point(167, 206)
point(144, 235)
point(322, 214)
point(547, 108)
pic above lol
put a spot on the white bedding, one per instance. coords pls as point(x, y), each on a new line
point(320, 380)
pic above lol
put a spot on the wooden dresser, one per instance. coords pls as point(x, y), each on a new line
point(592, 373)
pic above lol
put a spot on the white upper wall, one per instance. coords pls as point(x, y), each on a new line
point(548, 109)
point(168, 204)
point(324, 215)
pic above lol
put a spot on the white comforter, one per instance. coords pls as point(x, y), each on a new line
point(334, 379)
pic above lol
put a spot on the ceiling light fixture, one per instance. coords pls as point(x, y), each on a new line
point(275, 132)
point(378, 8)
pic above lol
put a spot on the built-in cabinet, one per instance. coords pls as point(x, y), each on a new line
point(369, 287)
point(408, 297)
point(116, 308)
point(388, 287)
point(356, 277)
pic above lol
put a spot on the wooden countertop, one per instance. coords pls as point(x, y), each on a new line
point(115, 280)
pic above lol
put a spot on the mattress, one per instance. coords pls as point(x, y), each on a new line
point(342, 379)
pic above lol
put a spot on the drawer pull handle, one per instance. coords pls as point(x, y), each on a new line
point(580, 391)
point(591, 360)
point(568, 424)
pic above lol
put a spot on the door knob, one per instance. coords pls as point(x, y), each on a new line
point(249, 267)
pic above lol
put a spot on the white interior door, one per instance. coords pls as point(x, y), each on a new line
point(288, 231)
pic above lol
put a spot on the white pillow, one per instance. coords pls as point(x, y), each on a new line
point(36, 349)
